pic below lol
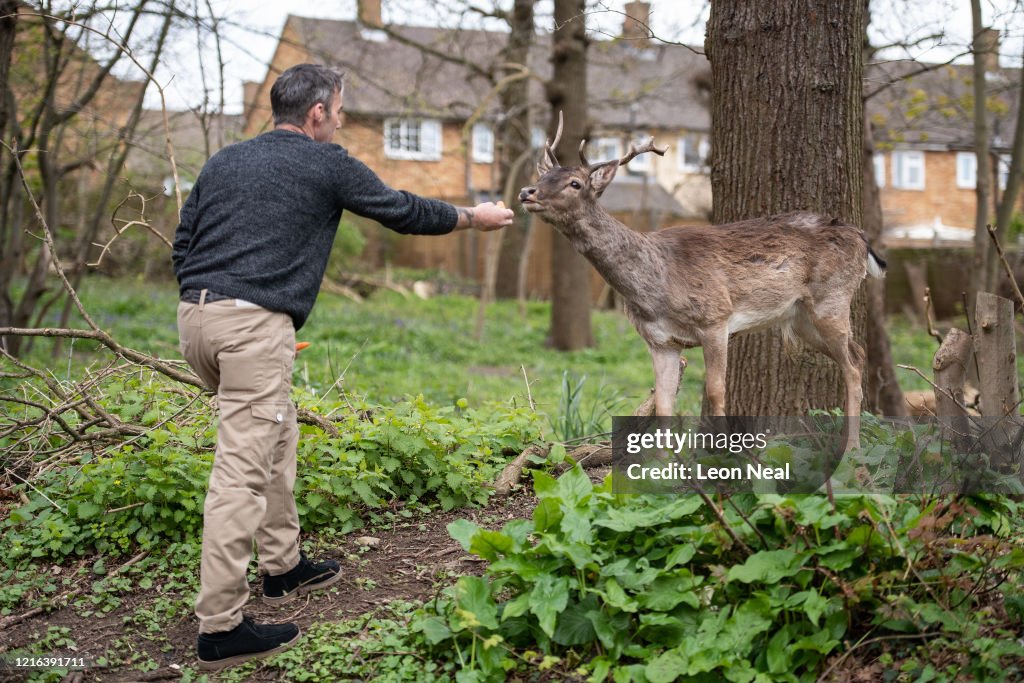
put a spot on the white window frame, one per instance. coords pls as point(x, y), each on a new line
point(904, 163)
point(419, 139)
point(482, 136)
point(643, 164)
point(966, 170)
point(537, 138)
point(604, 149)
point(1003, 164)
point(686, 143)
point(879, 162)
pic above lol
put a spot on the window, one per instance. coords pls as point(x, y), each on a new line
point(537, 138)
point(483, 143)
point(879, 161)
point(412, 139)
point(908, 170)
point(1004, 170)
point(966, 170)
point(693, 153)
point(604, 149)
point(644, 163)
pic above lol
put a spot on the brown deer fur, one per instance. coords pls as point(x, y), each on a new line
point(694, 286)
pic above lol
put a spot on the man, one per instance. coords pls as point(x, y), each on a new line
point(249, 254)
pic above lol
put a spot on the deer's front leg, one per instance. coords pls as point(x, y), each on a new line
point(716, 346)
point(666, 380)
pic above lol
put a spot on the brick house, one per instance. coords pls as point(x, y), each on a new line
point(407, 110)
point(925, 163)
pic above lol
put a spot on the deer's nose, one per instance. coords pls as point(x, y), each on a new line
point(526, 193)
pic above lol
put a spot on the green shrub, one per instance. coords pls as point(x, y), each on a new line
point(149, 491)
point(650, 588)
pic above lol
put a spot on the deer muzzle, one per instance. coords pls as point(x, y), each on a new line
point(527, 197)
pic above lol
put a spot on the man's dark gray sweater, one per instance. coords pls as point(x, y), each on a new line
point(261, 219)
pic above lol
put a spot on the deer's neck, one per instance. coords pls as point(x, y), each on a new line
point(625, 259)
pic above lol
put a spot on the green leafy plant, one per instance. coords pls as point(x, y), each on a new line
point(652, 588)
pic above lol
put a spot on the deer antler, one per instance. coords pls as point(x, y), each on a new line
point(548, 160)
point(647, 146)
point(583, 156)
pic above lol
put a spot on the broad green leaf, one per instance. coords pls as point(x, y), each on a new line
point(576, 526)
point(435, 630)
point(667, 667)
point(473, 594)
point(516, 607)
point(666, 592)
point(463, 530)
point(87, 510)
point(616, 597)
point(767, 566)
point(777, 653)
point(681, 554)
point(574, 626)
point(490, 544)
point(574, 486)
point(549, 597)
point(547, 514)
point(544, 485)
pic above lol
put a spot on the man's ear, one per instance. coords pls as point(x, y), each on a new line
point(316, 112)
point(602, 175)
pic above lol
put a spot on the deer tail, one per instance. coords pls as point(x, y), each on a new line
point(876, 264)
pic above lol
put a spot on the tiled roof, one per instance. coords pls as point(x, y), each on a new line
point(386, 76)
point(922, 106)
point(929, 105)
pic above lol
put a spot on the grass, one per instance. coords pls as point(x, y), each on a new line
point(389, 348)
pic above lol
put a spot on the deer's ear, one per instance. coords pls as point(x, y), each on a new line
point(602, 175)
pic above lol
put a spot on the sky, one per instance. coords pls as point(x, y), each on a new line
point(251, 28)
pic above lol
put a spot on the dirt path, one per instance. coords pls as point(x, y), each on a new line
point(407, 563)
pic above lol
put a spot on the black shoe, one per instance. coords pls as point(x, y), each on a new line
point(306, 576)
point(246, 641)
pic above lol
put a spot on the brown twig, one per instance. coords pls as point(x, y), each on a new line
point(725, 524)
point(1006, 265)
point(929, 312)
point(103, 337)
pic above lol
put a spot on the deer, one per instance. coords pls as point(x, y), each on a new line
point(691, 286)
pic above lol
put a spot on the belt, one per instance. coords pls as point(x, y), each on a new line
point(192, 296)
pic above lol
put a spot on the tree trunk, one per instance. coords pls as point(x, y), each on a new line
point(1008, 202)
point(983, 190)
point(515, 134)
point(8, 260)
point(883, 393)
point(787, 134)
point(567, 92)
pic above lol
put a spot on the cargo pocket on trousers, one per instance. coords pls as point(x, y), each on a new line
point(268, 411)
point(245, 375)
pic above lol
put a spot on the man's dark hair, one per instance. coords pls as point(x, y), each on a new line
point(301, 87)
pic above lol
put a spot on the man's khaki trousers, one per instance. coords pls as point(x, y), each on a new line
point(245, 353)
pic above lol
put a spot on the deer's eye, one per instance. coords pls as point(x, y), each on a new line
point(575, 184)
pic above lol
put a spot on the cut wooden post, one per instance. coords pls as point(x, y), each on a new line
point(997, 369)
point(950, 368)
point(996, 347)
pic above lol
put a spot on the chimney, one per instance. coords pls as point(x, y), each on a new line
point(635, 24)
point(369, 13)
point(987, 48)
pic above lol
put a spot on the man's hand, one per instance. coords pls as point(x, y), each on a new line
point(484, 217)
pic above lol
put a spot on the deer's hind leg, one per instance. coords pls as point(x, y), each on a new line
point(835, 339)
point(716, 355)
